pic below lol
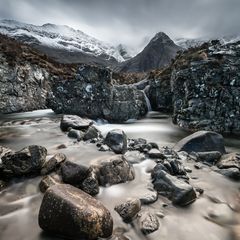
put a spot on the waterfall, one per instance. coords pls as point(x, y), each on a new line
point(147, 101)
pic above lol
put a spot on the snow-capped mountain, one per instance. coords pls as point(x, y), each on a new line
point(61, 38)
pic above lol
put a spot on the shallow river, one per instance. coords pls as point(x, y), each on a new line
point(20, 202)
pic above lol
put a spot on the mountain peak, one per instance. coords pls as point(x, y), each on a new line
point(161, 37)
point(157, 54)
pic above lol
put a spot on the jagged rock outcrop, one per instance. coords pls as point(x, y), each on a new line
point(206, 88)
point(157, 54)
point(91, 94)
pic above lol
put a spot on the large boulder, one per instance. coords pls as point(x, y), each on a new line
point(74, 122)
point(117, 140)
point(201, 141)
point(176, 190)
point(126, 102)
point(74, 214)
point(29, 160)
point(113, 170)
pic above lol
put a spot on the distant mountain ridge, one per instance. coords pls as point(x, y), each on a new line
point(63, 43)
point(195, 42)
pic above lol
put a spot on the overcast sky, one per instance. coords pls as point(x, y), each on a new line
point(131, 22)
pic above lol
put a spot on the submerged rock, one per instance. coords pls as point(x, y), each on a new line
point(74, 122)
point(74, 214)
point(201, 141)
point(232, 173)
point(117, 140)
point(29, 160)
point(73, 173)
point(176, 190)
point(113, 170)
point(128, 209)
point(77, 134)
point(53, 163)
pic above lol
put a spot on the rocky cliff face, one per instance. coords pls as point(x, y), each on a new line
point(205, 84)
point(159, 91)
point(91, 94)
point(23, 85)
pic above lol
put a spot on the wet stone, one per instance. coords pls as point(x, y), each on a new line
point(148, 222)
point(29, 160)
point(117, 141)
point(76, 134)
point(128, 209)
point(53, 163)
point(74, 122)
point(176, 190)
point(155, 153)
point(73, 173)
point(74, 214)
point(48, 181)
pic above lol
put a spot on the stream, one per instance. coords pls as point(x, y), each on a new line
point(20, 202)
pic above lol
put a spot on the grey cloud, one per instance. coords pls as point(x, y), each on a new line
point(131, 21)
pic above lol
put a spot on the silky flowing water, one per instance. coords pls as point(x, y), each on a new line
point(20, 202)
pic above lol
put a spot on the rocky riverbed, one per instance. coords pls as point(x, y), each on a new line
point(193, 201)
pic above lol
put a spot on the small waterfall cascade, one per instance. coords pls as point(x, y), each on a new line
point(147, 101)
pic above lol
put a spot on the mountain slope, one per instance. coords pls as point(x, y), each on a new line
point(157, 54)
point(63, 43)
